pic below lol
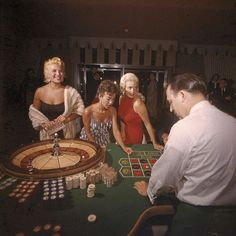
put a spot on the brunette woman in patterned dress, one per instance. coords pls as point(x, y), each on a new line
point(100, 117)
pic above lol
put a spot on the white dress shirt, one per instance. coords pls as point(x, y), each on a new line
point(199, 160)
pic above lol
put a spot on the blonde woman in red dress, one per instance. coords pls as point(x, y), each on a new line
point(133, 113)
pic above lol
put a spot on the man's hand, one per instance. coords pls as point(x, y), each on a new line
point(141, 187)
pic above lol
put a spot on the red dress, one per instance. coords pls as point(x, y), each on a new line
point(132, 121)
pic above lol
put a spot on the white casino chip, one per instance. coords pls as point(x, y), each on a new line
point(92, 218)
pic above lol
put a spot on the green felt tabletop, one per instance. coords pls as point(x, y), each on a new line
point(116, 208)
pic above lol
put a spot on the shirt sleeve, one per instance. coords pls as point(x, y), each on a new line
point(166, 173)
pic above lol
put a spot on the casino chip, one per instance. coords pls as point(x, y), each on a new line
point(92, 218)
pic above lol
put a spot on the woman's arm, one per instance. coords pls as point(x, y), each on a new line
point(37, 99)
point(122, 130)
point(37, 105)
point(66, 119)
point(140, 108)
point(122, 124)
point(116, 132)
point(86, 121)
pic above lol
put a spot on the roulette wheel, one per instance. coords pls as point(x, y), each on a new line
point(46, 160)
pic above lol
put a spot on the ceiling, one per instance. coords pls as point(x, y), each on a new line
point(187, 21)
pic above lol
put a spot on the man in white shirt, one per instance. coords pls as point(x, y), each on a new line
point(199, 159)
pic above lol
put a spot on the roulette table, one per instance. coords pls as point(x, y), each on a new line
point(43, 206)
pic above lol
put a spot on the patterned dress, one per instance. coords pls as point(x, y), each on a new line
point(100, 131)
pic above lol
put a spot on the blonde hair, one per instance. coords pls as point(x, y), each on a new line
point(52, 61)
point(130, 77)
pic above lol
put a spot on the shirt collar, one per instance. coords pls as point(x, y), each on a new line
point(199, 106)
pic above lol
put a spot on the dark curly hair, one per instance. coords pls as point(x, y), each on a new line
point(108, 86)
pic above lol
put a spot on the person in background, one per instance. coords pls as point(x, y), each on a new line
point(100, 117)
point(151, 98)
point(56, 104)
point(93, 81)
point(212, 84)
point(165, 122)
point(133, 113)
point(223, 97)
point(199, 160)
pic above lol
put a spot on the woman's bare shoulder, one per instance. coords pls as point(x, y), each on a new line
point(112, 111)
point(41, 91)
point(42, 88)
point(138, 100)
point(89, 109)
point(138, 103)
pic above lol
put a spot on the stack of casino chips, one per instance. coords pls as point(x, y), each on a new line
point(109, 175)
point(83, 182)
point(93, 176)
point(91, 190)
point(23, 190)
point(75, 181)
point(109, 178)
point(69, 183)
point(105, 173)
point(7, 182)
point(102, 166)
point(53, 189)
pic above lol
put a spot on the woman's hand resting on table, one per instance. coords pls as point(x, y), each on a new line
point(158, 147)
point(128, 150)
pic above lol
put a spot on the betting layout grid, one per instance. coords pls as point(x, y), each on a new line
point(138, 164)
